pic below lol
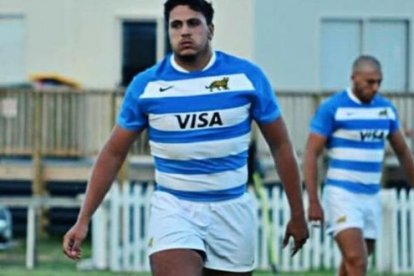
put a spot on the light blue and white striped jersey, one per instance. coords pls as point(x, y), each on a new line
point(356, 134)
point(199, 123)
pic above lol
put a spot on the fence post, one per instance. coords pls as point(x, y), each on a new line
point(37, 166)
point(37, 184)
point(385, 250)
point(114, 232)
point(31, 250)
point(100, 237)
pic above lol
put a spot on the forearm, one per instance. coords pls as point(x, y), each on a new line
point(310, 170)
point(288, 171)
point(103, 174)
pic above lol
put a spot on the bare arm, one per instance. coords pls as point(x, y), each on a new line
point(314, 148)
point(104, 172)
point(277, 138)
point(403, 154)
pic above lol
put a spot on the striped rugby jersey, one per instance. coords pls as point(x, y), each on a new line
point(199, 123)
point(356, 134)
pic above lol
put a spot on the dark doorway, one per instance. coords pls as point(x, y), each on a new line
point(139, 48)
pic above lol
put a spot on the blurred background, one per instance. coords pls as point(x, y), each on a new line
point(64, 65)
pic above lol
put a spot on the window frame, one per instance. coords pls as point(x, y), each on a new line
point(364, 21)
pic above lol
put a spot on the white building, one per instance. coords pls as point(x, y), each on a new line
point(303, 45)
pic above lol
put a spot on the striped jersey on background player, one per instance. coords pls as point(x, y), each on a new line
point(357, 135)
point(353, 125)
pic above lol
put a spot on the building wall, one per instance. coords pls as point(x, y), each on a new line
point(287, 35)
point(81, 39)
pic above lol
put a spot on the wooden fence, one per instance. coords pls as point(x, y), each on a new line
point(57, 123)
point(74, 123)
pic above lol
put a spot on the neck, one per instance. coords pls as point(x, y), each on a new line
point(194, 63)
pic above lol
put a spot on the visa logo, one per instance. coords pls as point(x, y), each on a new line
point(199, 120)
point(372, 135)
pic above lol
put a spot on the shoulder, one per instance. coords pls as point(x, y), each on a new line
point(238, 63)
point(334, 101)
point(155, 72)
point(386, 105)
point(383, 101)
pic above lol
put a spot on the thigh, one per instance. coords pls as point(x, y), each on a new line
point(231, 240)
point(173, 226)
point(176, 262)
point(342, 210)
point(351, 243)
point(372, 217)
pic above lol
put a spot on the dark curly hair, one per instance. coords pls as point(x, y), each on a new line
point(206, 8)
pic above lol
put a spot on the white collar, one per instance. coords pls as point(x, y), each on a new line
point(352, 96)
point(182, 70)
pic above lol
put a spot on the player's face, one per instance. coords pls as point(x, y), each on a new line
point(366, 83)
point(188, 32)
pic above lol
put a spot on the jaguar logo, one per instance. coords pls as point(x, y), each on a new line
point(383, 113)
point(219, 84)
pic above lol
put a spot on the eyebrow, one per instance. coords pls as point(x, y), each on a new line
point(374, 80)
point(186, 20)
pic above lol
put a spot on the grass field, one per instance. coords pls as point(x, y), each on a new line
point(52, 262)
point(45, 272)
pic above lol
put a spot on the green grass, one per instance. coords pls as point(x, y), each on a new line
point(52, 262)
point(40, 271)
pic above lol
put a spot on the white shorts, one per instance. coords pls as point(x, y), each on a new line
point(344, 209)
point(225, 231)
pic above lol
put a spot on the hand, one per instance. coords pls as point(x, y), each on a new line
point(315, 213)
point(73, 240)
point(298, 229)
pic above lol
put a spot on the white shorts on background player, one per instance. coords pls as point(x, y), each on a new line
point(344, 210)
point(225, 231)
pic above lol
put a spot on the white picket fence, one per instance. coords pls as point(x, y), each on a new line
point(119, 236)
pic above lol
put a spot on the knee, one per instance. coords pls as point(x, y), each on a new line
point(357, 261)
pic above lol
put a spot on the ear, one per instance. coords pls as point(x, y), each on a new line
point(353, 76)
point(210, 31)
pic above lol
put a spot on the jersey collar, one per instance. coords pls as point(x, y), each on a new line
point(182, 70)
point(352, 96)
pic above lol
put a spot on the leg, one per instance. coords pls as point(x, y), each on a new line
point(342, 269)
point(211, 272)
point(230, 243)
point(176, 262)
point(354, 252)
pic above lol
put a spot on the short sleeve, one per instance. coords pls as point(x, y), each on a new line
point(323, 121)
point(131, 116)
point(265, 108)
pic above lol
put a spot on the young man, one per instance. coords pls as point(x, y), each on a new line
point(353, 125)
point(197, 106)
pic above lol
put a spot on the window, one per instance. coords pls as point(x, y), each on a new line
point(387, 40)
point(340, 45)
point(12, 50)
point(139, 49)
point(343, 40)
